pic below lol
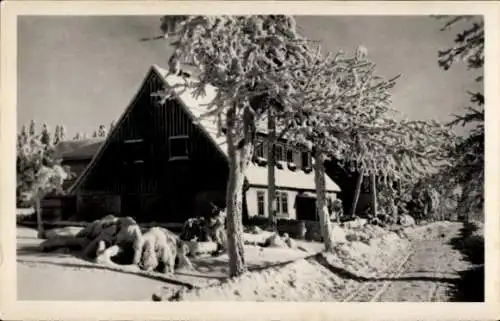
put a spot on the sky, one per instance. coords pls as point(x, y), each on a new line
point(83, 71)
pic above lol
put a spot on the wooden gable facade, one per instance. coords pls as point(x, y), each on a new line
point(153, 165)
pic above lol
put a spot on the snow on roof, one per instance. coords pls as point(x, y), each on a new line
point(285, 178)
point(256, 175)
point(78, 149)
point(197, 106)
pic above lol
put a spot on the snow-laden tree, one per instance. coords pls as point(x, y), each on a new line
point(348, 117)
point(101, 131)
point(467, 169)
point(62, 132)
point(45, 137)
point(253, 61)
point(344, 99)
point(405, 152)
point(22, 136)
point(59, 134)
point(32, 128)
point(57, 137)
point(38, 172)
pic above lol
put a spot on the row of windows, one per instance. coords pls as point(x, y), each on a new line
point(281, 203)
point(284, 154)
point(179, 149)
point(134, 149)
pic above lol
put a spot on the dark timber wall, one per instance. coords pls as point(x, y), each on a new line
point(137, 166)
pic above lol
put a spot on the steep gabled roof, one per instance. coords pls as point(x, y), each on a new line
point(103, 146)
point(196, 106)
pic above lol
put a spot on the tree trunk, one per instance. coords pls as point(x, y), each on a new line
point(271, 167)
point(394, 209)
point(374, 194)
point(239, 158)
point(463, 203)
point(357, 192)
point(39, 222)
point(321, 208)
point(339, 211)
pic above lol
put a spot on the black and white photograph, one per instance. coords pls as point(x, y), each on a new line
point(275, 157)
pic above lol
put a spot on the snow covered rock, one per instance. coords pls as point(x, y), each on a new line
point(351, 237)
point(289, 241)
point(407, 221)
point(200, 248)
point(62, 232)
point(256, 239)
point(356, 224)
point(255, 230)
point(274, 240)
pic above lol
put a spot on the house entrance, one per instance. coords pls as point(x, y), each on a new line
point(305, 207)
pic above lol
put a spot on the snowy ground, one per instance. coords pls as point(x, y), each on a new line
point(382, 265)
point(426, 269)
point(60, 276)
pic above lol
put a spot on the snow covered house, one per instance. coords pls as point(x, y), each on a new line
point(165, 163)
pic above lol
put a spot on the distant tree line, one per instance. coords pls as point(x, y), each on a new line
point(101, 132)
point(60, 134)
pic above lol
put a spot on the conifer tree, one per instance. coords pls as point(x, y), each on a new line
point(22, 136)
point(78, 136)
point(32, 128)
point(101, 131)
point(45, 135)
point(62, 132)
point(57, 135)
point(467, 170)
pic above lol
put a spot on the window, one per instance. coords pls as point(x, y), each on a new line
point(289, 155)
point(259, 149)
point(282, 201)
point(279, 153)
point(179, 147)
point(133, 151)
point(261, 203)
point(306, 160)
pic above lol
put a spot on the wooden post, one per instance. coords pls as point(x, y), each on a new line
point(357, 192)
